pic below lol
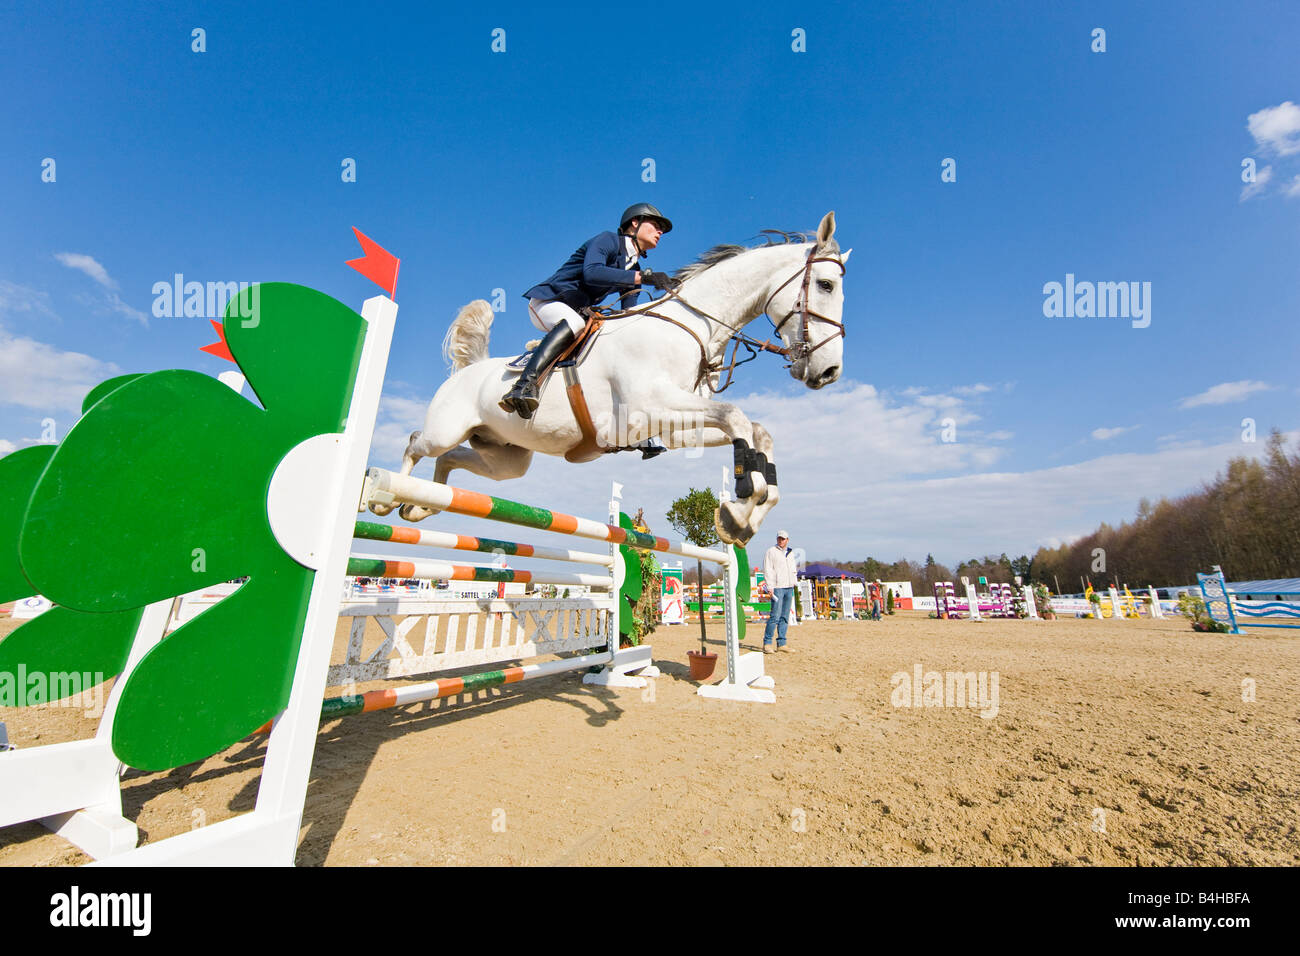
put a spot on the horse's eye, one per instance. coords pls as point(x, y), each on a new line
point(826, 285)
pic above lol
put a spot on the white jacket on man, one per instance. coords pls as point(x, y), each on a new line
point(778, 568)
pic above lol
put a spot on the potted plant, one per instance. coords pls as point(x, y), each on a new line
point(1043, 602)
point(1194, 608)
point(692, 518)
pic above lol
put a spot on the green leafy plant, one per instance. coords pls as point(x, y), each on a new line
point(1192, 607)
point(646, 612)
point(691, 516)
point(1043, 601)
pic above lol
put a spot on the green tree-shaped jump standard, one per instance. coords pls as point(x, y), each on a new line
point(161, 489)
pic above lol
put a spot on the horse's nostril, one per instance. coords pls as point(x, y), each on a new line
point(831, 374)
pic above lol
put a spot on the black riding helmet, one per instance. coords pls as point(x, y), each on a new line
point(643, 210)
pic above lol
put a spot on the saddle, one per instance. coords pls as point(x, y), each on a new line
point(588, 448)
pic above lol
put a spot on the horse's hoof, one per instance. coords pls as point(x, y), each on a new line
point(729, 529)
point(381, 510)
point(415, 512)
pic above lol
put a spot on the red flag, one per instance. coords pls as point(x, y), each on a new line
point(219, 348)
point(378, 264)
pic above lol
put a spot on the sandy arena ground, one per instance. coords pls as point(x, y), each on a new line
point(1135, 728)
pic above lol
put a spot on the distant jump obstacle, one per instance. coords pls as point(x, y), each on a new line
point(998, 601)
point(1226, 607)
point(315, 493)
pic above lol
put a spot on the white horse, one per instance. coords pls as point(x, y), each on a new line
point(650, 374)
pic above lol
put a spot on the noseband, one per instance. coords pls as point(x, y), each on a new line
point(802, 349)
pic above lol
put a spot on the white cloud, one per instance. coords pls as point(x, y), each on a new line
point(15, 299)
point(1292, 189)
point(857, 471)
point(115, 304)
point(398, 416)
point(1276, 129)
point(7, 446)
point(1105, 434)
point(971, 515)
point(832, 446)
point(1262, 178)
point(111, 302)
point(1224, 394)
point(88, 265)
point(41, 377)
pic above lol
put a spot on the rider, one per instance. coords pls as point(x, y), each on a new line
point(603, 264)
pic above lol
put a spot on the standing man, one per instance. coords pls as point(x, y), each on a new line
point(778, 573)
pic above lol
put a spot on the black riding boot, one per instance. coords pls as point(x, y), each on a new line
point(523, 397)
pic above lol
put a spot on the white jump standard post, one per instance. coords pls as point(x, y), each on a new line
point(1031, 608)
point(745, 679)
point(1156, 609)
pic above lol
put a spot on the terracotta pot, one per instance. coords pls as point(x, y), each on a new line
point(702, 665)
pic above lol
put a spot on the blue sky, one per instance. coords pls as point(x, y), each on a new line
point(484, 170)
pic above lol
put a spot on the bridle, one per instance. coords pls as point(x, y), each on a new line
point(801, 306)
point(738, 338)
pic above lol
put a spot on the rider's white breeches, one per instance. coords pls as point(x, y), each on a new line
point(548, 313)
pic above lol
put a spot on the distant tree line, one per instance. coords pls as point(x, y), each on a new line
point(1247, 521)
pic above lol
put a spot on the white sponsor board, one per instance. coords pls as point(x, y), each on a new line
point(1076, 606)
point(31, 607)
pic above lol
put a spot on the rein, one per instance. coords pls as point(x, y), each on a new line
point(738, 337)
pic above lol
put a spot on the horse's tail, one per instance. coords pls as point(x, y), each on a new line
point(467, 339)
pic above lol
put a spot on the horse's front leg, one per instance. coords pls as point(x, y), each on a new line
point(695, 421)
point(764, 446)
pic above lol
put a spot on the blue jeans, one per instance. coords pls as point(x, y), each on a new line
point(782, 600)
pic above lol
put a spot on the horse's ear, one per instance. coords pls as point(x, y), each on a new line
point(827, 228)
point(845, 258)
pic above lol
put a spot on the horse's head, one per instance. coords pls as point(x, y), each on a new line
point(808, 309)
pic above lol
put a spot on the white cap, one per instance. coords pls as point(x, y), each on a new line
point(783, 534)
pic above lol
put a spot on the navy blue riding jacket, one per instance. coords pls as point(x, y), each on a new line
point(597, 268)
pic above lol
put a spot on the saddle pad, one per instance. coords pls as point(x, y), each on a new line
point(518, 363)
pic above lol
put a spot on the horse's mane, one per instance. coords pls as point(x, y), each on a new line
point(771, 237)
